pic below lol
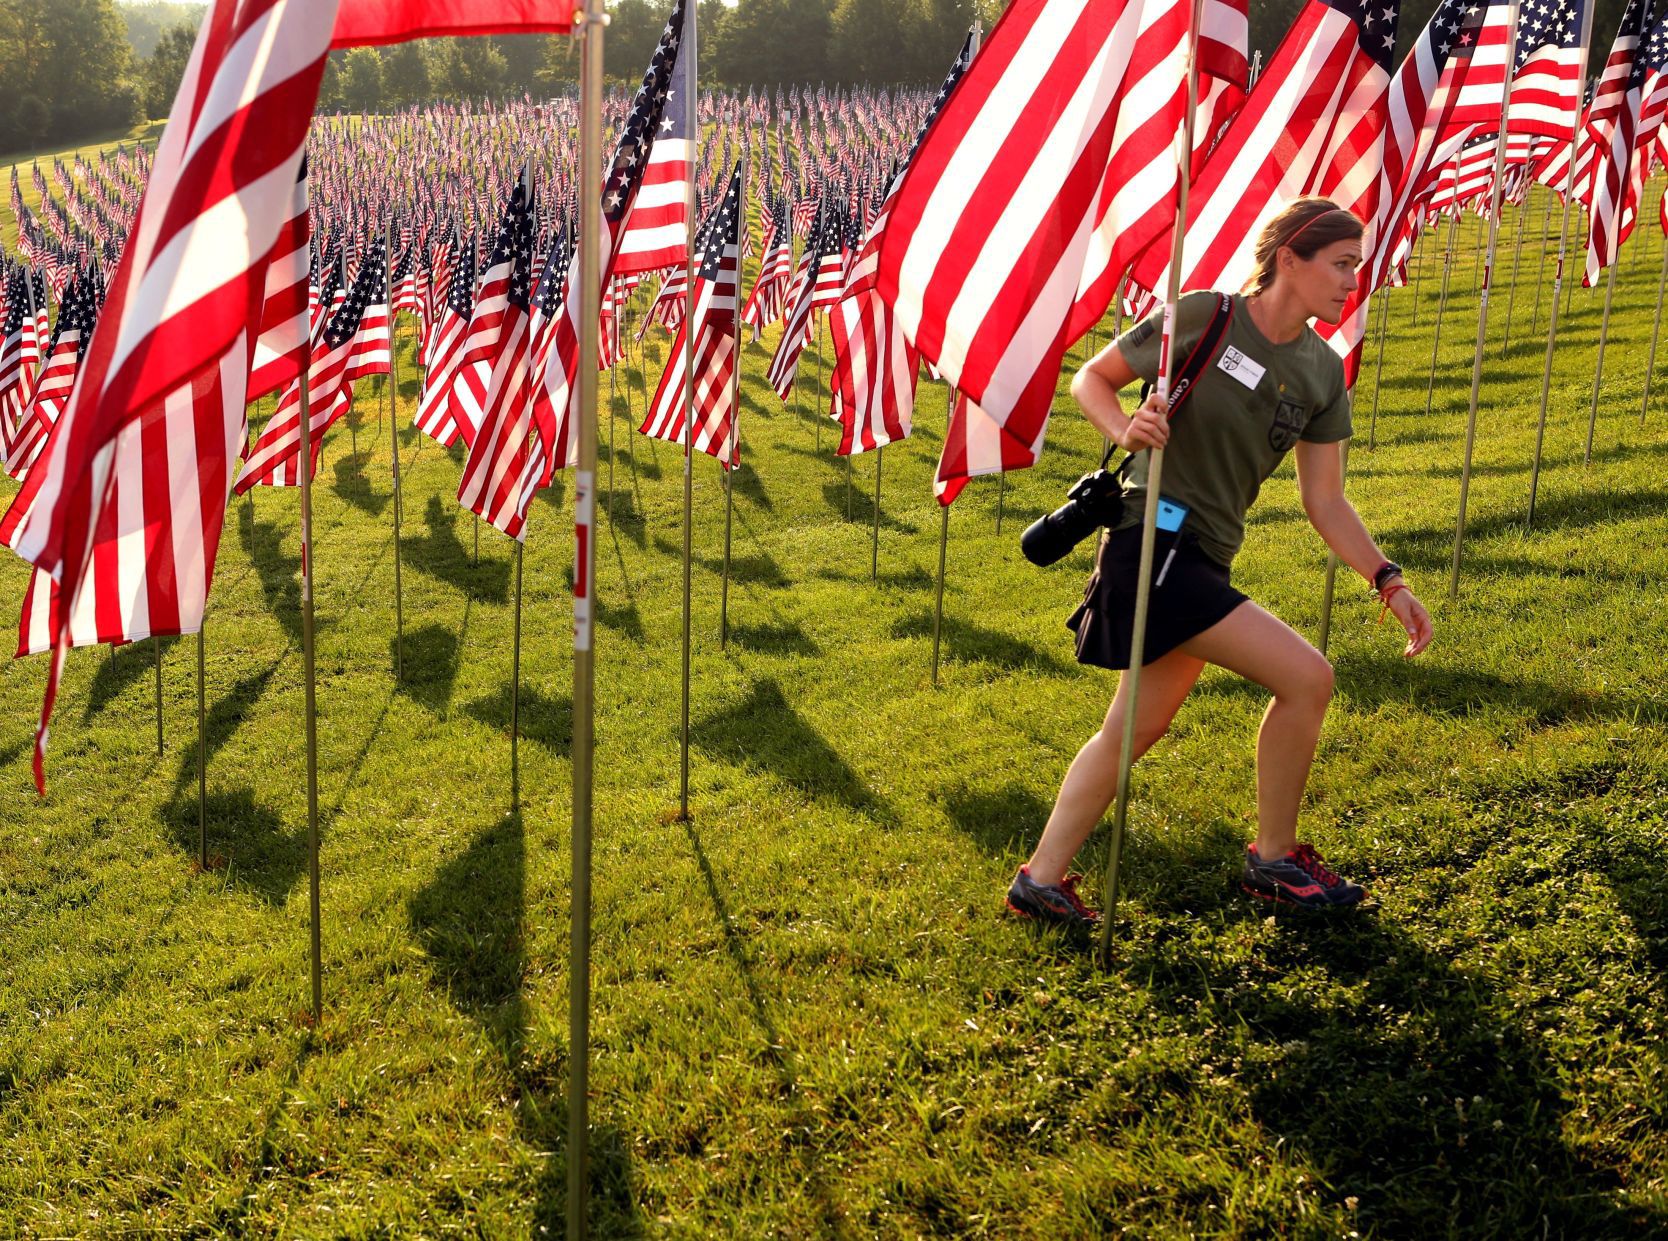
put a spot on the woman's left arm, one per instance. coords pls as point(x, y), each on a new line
point(1320, 482)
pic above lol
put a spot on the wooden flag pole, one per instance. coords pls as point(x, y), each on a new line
point(202, 761)
point(1155, 469)
point(1656, 329)
point(1598, 369)
point(592, 20)
point(1442, 304)
point(1378, 370)
point(688, 49)
point(1540, 263)
point(1558, 272)
point(1482, 314)
point(394, 442)
point(307, 666)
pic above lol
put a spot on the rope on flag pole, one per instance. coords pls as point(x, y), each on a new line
point(394, 442)
point(591, 19)
point(1482, 310)
point(1442, 304)
point(311, 719)
point(1155, 469)
point(1558, 272)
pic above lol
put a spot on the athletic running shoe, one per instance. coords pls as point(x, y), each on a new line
point(1299, 878)
point(1047, 902)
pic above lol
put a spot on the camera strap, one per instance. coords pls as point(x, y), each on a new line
point(1204, 351)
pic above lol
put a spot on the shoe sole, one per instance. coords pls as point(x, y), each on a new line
point(1274, 898)
point(1042, 921)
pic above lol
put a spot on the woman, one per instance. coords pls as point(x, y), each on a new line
point(1273, 385)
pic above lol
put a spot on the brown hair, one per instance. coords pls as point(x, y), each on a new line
point(1307, 225)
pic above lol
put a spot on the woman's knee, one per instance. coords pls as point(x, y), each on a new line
point(1310, 684)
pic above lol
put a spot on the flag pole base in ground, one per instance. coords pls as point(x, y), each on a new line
point(724, 586)
point(1598, 370)
point(1656, 330)
point(156, 652)
point(311, 720)
point(874, 544)
point(202, 761)
point(515, 692)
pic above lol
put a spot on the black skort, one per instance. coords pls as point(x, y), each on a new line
point(1193, 596)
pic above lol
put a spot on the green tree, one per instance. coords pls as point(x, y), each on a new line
point(405, 74)
point(766, 41)
point(469, 67)
point(362, 80)
point(159, 76)
point(71, 57)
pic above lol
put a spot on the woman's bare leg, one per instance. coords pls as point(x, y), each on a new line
point(1092, 780)
point(1264, 649)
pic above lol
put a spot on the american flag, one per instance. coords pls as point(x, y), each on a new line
point(70, 338)
point(875, 367)
point(500, 476)
point(405, 282)
point(715, 343)
point(369, 354)
point(821, 251)
point(1027, 200)
point(481, 345)
point(1546, 82)
point(1612, 124)
point(1315, 123)
point(13, 393)
point(557, 447)
point(657, 233)
point(284, 325)
point(766, 303)
point(434, 416)
point(158, 408)
point(274, 461)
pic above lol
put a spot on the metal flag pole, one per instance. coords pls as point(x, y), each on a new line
point(938, 600)
point(394, 441)
point(874, 543)
point(1598, 369)
point(307, 670)
point(1517, 258)
point(1482, 311)
point(1155, 469)
point(1417, 262)
point(1558, 272)
point(1378, 370)
point(1442, 304)
point(735, 417)
point(688, 49)
point(202, 761)
point(156, 653)
point(591, 19)
point(1002, 494)
point(1540, 263)
point(613, 367)
point(1329, 591)
point(515, 690)
point(814, 417)
point(1656, 329)
point(848, 485)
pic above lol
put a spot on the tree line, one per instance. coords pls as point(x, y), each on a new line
point(79, 69)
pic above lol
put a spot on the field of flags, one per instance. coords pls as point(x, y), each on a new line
point(175, 319)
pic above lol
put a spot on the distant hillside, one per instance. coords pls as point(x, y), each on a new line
point(147, 22)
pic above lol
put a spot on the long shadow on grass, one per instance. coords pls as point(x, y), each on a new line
point(470, 920)
point(763, 732)
point(784, 639)
point(545, 721)
point(354, 486)
point(1406, 1083)
point(776, 1052)
point(278, 570)
point(117, 670)
point(430, 657)
point(863, 506)
point(443, 555)
point(261, 855)
point(1556, 512)
point(972, 643)
point(228, 714)
point(1000, 821)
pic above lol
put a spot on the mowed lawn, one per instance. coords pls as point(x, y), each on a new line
point(811, 1017)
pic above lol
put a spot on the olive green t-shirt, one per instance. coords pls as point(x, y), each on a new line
point(1249, 407)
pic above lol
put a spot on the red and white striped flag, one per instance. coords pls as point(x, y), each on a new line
point(657, 233)
point(284, 327)
point(1612, 124)
point(434, 416)
point(501, 461)
point(1019, 211)
point(77, 315)
point(796, 331)
point(158, 407)
point(715, 343)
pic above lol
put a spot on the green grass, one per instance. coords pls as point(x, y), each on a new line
point(810, 1017)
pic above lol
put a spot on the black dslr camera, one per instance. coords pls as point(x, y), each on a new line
point(1095, 500)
